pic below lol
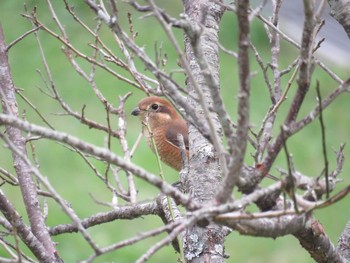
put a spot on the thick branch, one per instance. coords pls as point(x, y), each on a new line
point(343, 243)
point(24, 232)
point(340, 10)
point(267, 227)
point(27, 185)
point(318, 244)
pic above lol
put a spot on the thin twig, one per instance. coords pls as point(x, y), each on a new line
point(290, 187)
point(289, 40)
point(69, 211)
point(9, 178)
point(35, 109)
point(161, 173)
point(285, 92)
point(14, 42)
point(324, 147)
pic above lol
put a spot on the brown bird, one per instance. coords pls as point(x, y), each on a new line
point(165, 124)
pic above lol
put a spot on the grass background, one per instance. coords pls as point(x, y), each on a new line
point(75, 181)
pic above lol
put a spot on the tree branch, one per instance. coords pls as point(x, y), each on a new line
point(317, 243)
point(340, 10)
point(25, 233)
point(126, 212)
point(23, 170)
point(239, 149)
point(102, 153)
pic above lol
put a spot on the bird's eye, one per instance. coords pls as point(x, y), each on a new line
point(154, 106)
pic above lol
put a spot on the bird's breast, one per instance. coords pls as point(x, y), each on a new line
point(168, 153)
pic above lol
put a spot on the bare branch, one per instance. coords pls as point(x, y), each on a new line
point(343, 244)
point(167, 82)
point(126, 212)
point(267, 227)
point(23, 170)
point(133, 240)
point(217, 160)
point(14, 42)
point(297, 126)
point(238, 152)
point(318, 244)
point(292, 42)
point(69, 211)
point(24, 232)
point(324, 149)
point(340, 11)
point(101, 153)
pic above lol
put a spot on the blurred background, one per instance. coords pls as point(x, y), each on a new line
point(73, 179)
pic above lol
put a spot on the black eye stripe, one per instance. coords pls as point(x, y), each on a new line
point(165, 109)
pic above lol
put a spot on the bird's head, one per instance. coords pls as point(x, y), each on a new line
point(157, 111)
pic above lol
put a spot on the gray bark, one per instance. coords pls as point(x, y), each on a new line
point(46, 252)
point(203, 243)
point(343, 243)
point(340, 10)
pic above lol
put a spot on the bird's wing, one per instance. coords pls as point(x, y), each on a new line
point(176, 127)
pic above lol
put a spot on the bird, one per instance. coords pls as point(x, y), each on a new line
point(164, 123)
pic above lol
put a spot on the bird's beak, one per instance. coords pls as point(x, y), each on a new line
point(136, 111)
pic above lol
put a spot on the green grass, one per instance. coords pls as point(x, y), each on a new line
point(72, 178)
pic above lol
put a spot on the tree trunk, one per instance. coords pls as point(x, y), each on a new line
point(203, 243)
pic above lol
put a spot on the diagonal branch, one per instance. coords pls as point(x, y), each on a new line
point(317, 243)
point(340, 10)
point(166, 81)
point(27, 185)
point(102, 153)
point(23, 231)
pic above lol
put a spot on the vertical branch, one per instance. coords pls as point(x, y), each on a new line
point(239, 150)
point(275, 50)
point(305, 61)
point(24, 173)
point(125, 147)
point(265, 132)
point(324, 149)
point(290, 187)
point(308, 38)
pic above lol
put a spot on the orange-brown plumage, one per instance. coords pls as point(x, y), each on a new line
point(165, 124)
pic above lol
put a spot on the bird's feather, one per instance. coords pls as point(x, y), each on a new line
point(176, 127)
